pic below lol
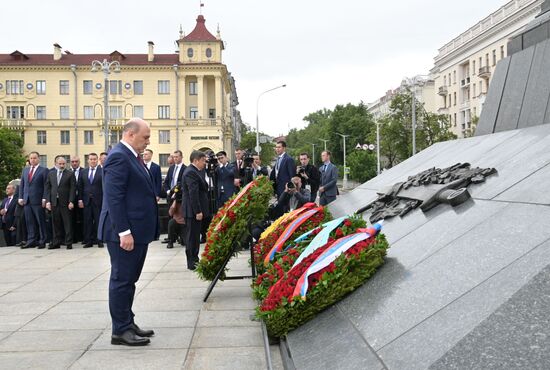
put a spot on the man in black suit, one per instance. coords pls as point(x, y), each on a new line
point(284, 168)
point(60, 196)
point(102, 159)
point(225, 179)
point(195, 205)
point(257, 168)
point(154, 169)
point(238, 167)
point(77, 214)
point(174, 175)
point(90, 198)
point(311, 177)
point(7, 216)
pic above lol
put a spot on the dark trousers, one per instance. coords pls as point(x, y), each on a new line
point(49, 225)
point(62, 225)
point(324, 200)
point(21, 228)
point(176, 230)
point(36, 224)
point(125, 271)
point(77, 216)
point(9, 236)
point(91, 220)
point(192, 241)
point(313, 196)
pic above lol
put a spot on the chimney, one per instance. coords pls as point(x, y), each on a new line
point(56, 52)
point(151, 53)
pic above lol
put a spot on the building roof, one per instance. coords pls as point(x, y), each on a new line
point(86, 59)
point(200, 33)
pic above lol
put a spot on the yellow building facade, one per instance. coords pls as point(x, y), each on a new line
point(56, 100)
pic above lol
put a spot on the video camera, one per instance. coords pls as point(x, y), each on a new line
point(211, 163)
point(176, 193)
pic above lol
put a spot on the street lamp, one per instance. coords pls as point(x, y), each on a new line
point(325, 141)
point(106, 67)
point(258, 147)
point(413, 82)
point(345, 184)
point(313, 145)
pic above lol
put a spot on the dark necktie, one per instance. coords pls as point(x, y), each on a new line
point(91, 177)
point(31, 173)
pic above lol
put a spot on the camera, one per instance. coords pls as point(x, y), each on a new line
point(290, 185)
point(302, 170)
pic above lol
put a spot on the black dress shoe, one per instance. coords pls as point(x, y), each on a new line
point(41, 246)
point(170, 245)
point(129, 338)
point(30, 245)
point(54, 246)
point(22, 244)
point(69, 246)
point(100, 245)
point(88, 245)
point(141, 332)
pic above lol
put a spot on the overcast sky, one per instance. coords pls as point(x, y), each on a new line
point(327, 52)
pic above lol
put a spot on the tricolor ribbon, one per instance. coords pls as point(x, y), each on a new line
point(289, 216)
point(235, 200)
point(334, 251)
point(290, 229)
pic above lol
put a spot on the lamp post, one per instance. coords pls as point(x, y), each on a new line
point(106, 67)
point(413, 82)
point(258, 147)
point(324, 141)
point(345, 184)
point(377, 147)
point(313, 152)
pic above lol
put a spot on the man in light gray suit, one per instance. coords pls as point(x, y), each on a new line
point(329, 177)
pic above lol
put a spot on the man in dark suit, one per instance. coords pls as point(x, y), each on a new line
point(20, 224)
point(238, 167)
point(311, 177)
point(257, 168)
point(154, 169)
point(60, 193)
point(225, 179)
point(174, 175)
point(7, 216)
point(329, 177)
point(77, 214)
point(195, 205)
point(31, 196)
point(128, 223)
point(90, 199)
point(284, 169)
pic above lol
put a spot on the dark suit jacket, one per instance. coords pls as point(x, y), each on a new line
point(194, 193)
point(170, 175)
point(33, 191)
point(329, 177)
point(226, 179)
point(91, 192)
point(287, 169)
point(63, 193)
point(9, 218)
point(157, 177)
point(129, 199)
point(80, 169)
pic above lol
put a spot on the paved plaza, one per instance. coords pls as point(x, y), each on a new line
point(54, 314)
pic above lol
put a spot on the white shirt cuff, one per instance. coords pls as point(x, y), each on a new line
point(124, 233)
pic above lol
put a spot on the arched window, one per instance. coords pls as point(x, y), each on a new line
point(190, 52)
point(209, 53)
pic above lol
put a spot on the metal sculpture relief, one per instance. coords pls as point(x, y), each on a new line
point(426, 190)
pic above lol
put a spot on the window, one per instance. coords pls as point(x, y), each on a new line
point(481, 87)
point(454, 98)
point(43, 160)
point(449, 79)
point(88, 137)
point(41, 87)
point(138, 87)
point(14, 87)
point(114, 137)
point(89, 112)
point(444, 80)
point(480, 62)
point(87, 86)
point(16, 112)
point(115, 112)
point(41, 137)
point(450, 101)
point(190, 52)
point(63, 112)
point(65, 137)
point(208, 53)
point(163, 159)
point(164, 136)
point(474, 72)
point(64, 87)
point(40, 112)
point(164, 112)
point(487, 59)
point(455, 119)
point(474, 87)
point(494, 57)
point(502, 52)
point(454, 77)
point(475, 112)
point(194, 113)
point(211, 113)
point(138, 111)
point(115, 87)
point(193, 88)
point(164, 87)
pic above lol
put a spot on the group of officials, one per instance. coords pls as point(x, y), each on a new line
point(119, 199)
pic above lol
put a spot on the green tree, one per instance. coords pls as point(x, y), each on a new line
point(362, 165)
point(11, 157)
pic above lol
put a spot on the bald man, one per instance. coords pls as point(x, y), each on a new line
point(128, 223)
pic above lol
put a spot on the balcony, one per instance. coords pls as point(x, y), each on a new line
point(13, 124)
point(114, 124)
point(443, 110)
point(465, 82)
point(443, 91)
point(202, 122)
point(484, 72)
point(465, 105)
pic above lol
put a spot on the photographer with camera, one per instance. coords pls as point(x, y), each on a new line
point(294, 195)
point(311, 177)
point(226, 179)
point(176, 225)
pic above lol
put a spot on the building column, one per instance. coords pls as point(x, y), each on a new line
point(219, 96)
point(200, 96)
